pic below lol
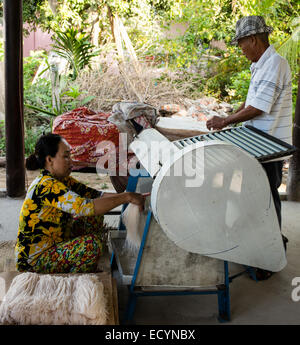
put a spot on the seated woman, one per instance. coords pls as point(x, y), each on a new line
point(61, 220)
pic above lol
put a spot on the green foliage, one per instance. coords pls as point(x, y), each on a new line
point(31, 65)
point(71, 98)
point(290, 48)
point(71, 13)
point(75, 48)
point(146, 21)
point(31, 137)
point(2, 138)
point(1, 50)
point(38, 111)
point(37, 95)
point(294, 94)
point(30, 8)
point(208, 20)
point(238, 87)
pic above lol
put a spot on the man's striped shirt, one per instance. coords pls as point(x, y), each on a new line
point(270, 91)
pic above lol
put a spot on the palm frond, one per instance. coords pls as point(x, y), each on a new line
point(76, 48)
point(290, 49)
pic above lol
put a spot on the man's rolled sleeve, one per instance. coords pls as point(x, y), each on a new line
point(266, 93)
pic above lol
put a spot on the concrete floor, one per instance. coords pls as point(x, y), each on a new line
point(252, 303)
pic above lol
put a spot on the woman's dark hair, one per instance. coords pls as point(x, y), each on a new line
point(47, 145)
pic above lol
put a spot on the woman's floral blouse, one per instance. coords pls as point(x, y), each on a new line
point(47, 215)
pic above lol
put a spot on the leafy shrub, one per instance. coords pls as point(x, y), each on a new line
point(30, 66)
point(1, 50)
point(223, 74)
point(31, 137)
point(238, 88)
point(37, 95)
point(38, 110)
point(2, 138)
point(76, 48)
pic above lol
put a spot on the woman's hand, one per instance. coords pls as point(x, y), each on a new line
point(138, 199)
point(112, 200)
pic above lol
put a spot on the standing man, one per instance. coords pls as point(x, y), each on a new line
point(268, 105)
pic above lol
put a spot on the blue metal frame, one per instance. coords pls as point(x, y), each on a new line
point(135, 174)
point(224, 297)
point(140, 254)
point(222, 291)
point(131, 187)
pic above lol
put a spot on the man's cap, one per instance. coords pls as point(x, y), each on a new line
point(250, 25)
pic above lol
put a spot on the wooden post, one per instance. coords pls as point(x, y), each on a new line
point(129, 47)
point(14, 122)
point(293, 181)
point(118, 37)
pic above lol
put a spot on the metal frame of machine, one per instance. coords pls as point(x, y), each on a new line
point(264, 147)
point(267, 149)
point(222, 290)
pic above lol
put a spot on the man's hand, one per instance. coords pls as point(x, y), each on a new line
point(242, 115)
point(216, 123)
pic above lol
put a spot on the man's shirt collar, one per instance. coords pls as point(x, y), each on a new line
point(268, 52)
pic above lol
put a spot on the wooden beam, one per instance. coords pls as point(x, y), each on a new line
point(129, 47)
point(14, 122)
point(118, 38)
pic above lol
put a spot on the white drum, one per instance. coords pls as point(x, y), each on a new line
point(214, 199)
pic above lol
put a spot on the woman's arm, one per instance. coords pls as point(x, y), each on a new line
point(56, 194)
point(111, 200)
point(81, 189)
point(106, 194)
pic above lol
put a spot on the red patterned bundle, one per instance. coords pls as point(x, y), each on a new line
point(84, 130)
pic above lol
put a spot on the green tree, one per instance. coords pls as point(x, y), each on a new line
point(30, 8)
